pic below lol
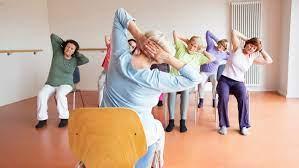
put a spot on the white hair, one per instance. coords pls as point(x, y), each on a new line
point(161, 40)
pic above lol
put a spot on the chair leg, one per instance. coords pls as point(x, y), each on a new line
point(74, 99)
point(156, 160)
point(216, 111)
point(55, 100)
point(248, 106)
point(80, 164)
point(195, 106)
point(81, 98)
point(165, 105)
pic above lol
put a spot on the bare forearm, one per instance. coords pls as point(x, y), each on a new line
point(266, 57)
point(240, 35)
point(184, 39)
point(134, 30)
point(106, 40)
point(174, 62)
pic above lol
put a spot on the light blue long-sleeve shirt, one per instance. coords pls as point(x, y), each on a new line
point(139, 89)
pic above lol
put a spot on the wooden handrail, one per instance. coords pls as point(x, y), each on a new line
point(34, 51)
point(93, 49)
point(9, 52)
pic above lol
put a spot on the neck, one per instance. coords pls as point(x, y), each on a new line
point(67, 57)
point(141, 61)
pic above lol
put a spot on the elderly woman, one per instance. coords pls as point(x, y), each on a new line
point(210, 69)
point(131, 83)
point(60, 80)
point(233, 76)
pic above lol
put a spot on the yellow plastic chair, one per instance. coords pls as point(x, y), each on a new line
point(106, 137)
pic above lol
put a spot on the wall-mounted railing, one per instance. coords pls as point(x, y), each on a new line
point(93, 49)
point(35, 51)
point(9, 52)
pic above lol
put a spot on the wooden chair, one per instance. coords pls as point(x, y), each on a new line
point(106, 137)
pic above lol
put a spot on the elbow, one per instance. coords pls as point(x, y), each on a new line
point(198, 78)
point(119, 11)
point(208, 32)
point(213, 59)
point(270, 61)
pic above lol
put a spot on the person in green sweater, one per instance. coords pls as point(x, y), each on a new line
point(60, 79)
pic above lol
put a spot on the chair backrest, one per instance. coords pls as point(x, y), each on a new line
point(220, 71)
point(76, 75)
point(106, 137)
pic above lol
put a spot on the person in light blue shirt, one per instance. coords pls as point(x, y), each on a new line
point(130, 82)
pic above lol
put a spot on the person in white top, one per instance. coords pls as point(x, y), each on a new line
point(232, 79)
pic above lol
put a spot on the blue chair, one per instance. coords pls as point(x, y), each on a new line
point(76, 80)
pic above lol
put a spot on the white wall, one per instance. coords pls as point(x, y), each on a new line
point(93, 20)
point(293, 69)
point(284, 53)
point(24, 25)
point(271, 29)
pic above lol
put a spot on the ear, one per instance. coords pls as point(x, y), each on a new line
point(199, 48)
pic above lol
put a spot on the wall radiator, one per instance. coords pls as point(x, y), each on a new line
point(246, 18)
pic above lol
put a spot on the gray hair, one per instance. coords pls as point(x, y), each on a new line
point(161, 40)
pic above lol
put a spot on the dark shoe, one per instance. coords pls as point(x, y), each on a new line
point(63, 123)
point(214, 103)
point(183, 127)
point(200, 103)
point(41, 124)
point(160, 103)
point(170, 126)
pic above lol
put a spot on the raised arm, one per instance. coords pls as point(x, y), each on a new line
point(141, 40)
point(174, 37)
point(211, 39)
point(235, 39)
point(119, 33)
point(179, 37)
point(265, 59)
point(166, 82)
point(210, 57)
point(81, 59)
point(107, 40)
point(56, 42)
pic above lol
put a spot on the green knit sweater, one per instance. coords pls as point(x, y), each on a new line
point(61, 71)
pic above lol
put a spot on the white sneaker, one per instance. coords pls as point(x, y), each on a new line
point(222, 130)
point(245, 131)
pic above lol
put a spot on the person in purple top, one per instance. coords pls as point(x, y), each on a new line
point(210, 69)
